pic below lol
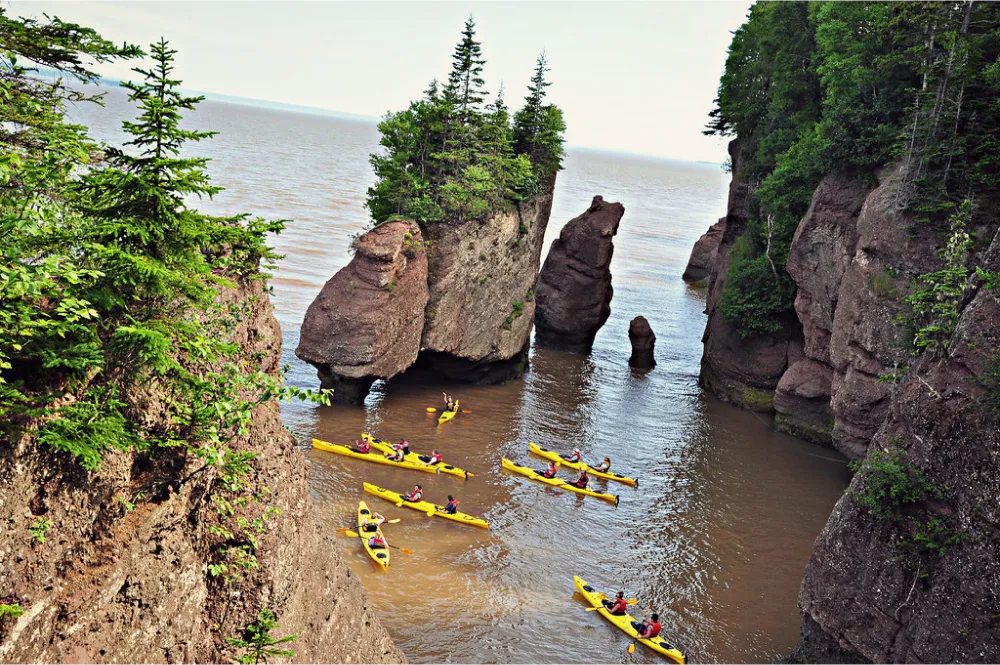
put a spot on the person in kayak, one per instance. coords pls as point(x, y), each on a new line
point(435, 458)
point(575, 457)
point(372, 523)
point(449, 402)
point(376, 542)
point(618, 606)
point(549, 471)
point(362, 446)
point(396, 455)
point(416, 495)
point(581, 480)
point(404, 445)
point(452, 506)
point(648, 629)
point(603, 466)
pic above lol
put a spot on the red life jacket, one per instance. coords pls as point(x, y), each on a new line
point(583, 480)
point(364, 447)
point(415, 495)
point(436, 458)
point(619, 606)
point(652, 630)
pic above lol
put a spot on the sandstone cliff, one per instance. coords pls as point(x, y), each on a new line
point(116, 585)
point(705, 252)
point(367, 321)
point(574, 287)
point(458, 299)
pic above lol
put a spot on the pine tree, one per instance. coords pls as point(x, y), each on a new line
point(528, 121)
point(465, 82)
point(259, 644)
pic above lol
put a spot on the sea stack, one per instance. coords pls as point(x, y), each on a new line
point(367, 321)
point(643, 342)
point(574, 287)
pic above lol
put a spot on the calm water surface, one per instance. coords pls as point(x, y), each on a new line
point(720, 528)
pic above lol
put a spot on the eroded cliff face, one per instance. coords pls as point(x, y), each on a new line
point(926, 587)
point(117, 585)
point(744, 372)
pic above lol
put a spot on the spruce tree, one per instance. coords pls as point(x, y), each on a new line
point(465, 82)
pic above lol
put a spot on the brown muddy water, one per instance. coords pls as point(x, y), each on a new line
point(717, 533)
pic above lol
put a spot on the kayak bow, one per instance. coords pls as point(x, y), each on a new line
point(425, 507)
point(559, 459)
point(624, 622)
point(555, 482)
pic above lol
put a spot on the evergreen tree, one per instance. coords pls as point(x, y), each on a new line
point(465, 82)
point(528, 121)
point(258, 644)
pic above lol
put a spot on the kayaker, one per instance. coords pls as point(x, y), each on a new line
point(376, 542)
point(372, 523)
point(404, 445)
point(603, 466)
point(575, 457)
point(396, 455)
point(362, 446)
point(549, 471)
point(648, 629)
point(452, 506)
point(618, 606)
point(435, 458)
point(449, 402)
point(581, 480)
point(416, 495)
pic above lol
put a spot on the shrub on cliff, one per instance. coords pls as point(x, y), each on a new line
point(453, 156)
point(815, 88)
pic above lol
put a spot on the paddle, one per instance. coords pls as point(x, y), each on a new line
point(393, 521)
point(630, 601)
point(404, 550)
point(631, 646)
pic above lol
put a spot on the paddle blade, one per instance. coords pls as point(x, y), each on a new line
point(631, 648)
point(593, 609)
point(406, 550)
point(633, 601)
point(399, 504)
point(343, 529)
point(431, 409)
point(466, 410)
point(430, 513)
point(351, 534)
point(395, 521)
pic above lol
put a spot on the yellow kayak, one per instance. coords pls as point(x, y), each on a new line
point(559, 459)
point(379, 555)
point(624, 622)
point(378, 458)
point(425, 507)
point(447, 415)
point(417, 458)
point(555, 482)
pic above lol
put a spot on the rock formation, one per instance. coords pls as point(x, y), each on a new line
point(643, 341)
point(741, 371)
point(117, 585)
point(463, 305)
point(574, 287)
point(367, 321)
point(922, 588)
point(705, 251)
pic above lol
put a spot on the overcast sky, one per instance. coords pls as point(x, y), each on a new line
point(632, 77)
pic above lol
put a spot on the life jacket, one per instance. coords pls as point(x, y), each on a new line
point(451, 508)
point(376, 542)
point(436, 458)
point(549, 473)
point(364, 446)
point(583, 480)
point(652, 630)
point(619, 606)
point(415, 495)
point(575, 457)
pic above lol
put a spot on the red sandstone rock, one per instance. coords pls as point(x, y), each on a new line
point(704, 253)
point(574, 287)
point(643, 342)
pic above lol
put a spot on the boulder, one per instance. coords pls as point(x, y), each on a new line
point(802, 401)
point(704, 253)
point(367, 321)
point(643, 342)
point(574, 287)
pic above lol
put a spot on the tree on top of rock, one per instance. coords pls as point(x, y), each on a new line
point(465, 82)
point(538, 127)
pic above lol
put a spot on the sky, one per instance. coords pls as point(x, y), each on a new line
point(636, 77)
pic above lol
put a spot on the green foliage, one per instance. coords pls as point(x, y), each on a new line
point(932, 537)
point(451, 156)
point(11, 611)
point(935, 301)
point(754, 293)
point(516, 310)
point(39, 528)
point(889, 482)
point(815, 88)
point(990, 380)
point(257, 643)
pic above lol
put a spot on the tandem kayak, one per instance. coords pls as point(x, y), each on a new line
point(417, 458)
point(425, 507)
point(379, 555)
point(559, 459)
point(624, 622)
point(378, 458)
point(555, 482)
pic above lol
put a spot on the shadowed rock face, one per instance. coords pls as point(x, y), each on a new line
point(366, 322)
point(574, 288)
point(705, 251)
point(643, 342)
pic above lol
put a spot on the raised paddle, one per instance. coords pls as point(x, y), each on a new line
point(630, 601)
point(404, 550)
point(393, 521)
